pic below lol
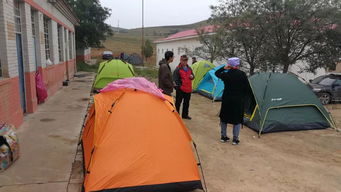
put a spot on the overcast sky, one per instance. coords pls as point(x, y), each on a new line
point(157, 12)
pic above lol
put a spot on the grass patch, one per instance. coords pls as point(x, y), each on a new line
point(149, 73)
point(81, 66)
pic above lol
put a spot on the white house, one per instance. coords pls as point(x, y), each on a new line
point(189, 40)
point(178, 43)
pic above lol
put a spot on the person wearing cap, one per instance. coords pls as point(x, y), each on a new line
point(165, 74)
point(236, 88)
point(183, 76)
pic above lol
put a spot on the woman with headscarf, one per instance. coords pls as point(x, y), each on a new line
point(236, 88)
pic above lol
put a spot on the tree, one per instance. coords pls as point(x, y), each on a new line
point(147, 49)
point(211, 45)
point(301, 30)
point(272, 33)
point(242, 30)
point(92, 29)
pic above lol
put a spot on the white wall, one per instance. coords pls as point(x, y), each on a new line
point(176, 46)
point(53, 11)
point(8, 51)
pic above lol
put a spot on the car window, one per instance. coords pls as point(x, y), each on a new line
point(327, 81)
point(317, 79)
point(337, 82)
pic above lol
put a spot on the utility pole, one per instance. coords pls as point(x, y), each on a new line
point(118, 27)
point(142, 32)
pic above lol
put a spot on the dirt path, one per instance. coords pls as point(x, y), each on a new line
point(287, 161)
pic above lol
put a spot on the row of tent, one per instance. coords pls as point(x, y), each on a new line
point(279, 102)
point(125, 150)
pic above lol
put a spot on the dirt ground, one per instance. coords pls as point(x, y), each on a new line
point(286, 161)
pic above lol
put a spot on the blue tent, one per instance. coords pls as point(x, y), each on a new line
point(211, 86)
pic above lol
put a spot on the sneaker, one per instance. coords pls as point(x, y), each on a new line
point(235, 141)
point(224, 139)
point(187, 117)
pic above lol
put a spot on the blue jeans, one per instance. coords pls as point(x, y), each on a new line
point(236, 130)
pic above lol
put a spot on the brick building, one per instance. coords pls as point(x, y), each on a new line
point(34, 35)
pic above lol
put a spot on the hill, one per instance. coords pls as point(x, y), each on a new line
point(129, 40)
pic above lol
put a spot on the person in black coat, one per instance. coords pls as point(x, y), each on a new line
point(236, 88)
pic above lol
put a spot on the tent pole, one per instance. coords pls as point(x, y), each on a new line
point(202, 172)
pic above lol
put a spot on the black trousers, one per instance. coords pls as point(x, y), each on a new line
point(180, 95)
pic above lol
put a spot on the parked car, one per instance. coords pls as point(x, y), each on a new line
point(327, 87)
point(107, 55)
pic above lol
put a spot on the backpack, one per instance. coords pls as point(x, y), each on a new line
point(9, 147)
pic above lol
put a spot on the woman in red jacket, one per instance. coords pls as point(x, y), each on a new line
point(183, 76)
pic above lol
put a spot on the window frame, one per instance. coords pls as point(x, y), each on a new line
point(60, 42)
point(46, 26)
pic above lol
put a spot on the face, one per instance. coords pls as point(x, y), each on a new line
point(184, 61)
point(171, 59)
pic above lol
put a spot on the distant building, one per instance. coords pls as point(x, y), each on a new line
point(178, 43)
point(35, 35)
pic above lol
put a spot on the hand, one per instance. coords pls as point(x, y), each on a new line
point(191, 77)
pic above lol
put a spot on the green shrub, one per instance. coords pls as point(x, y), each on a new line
point(81, 66)
point(147, 72)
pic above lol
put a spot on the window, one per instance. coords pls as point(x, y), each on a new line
point(0, 69)
point(46, 38)
point(336, 83)
point(327, 81)
point(60, 41)
point(70, 45)
point(17, 17)
point(33, 24)
point(65, 44)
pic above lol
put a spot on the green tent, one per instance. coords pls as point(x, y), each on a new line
point(109, 71)
point(280, 102)
point(200, 68)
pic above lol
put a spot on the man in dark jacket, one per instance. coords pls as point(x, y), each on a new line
point(183, 76)
point(165, 74)
point(236, 88)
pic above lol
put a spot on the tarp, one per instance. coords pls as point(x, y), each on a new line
point(135, 141)
point(281, 102)
point(138, 83)
point(40, 87)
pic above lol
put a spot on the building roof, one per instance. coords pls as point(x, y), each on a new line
point(186, 34)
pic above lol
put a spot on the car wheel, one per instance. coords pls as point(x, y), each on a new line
point(325, 98)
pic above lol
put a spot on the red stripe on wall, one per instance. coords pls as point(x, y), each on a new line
point(36, 6)
point(10, 108)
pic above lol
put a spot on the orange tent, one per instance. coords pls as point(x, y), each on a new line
point(135, 141)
